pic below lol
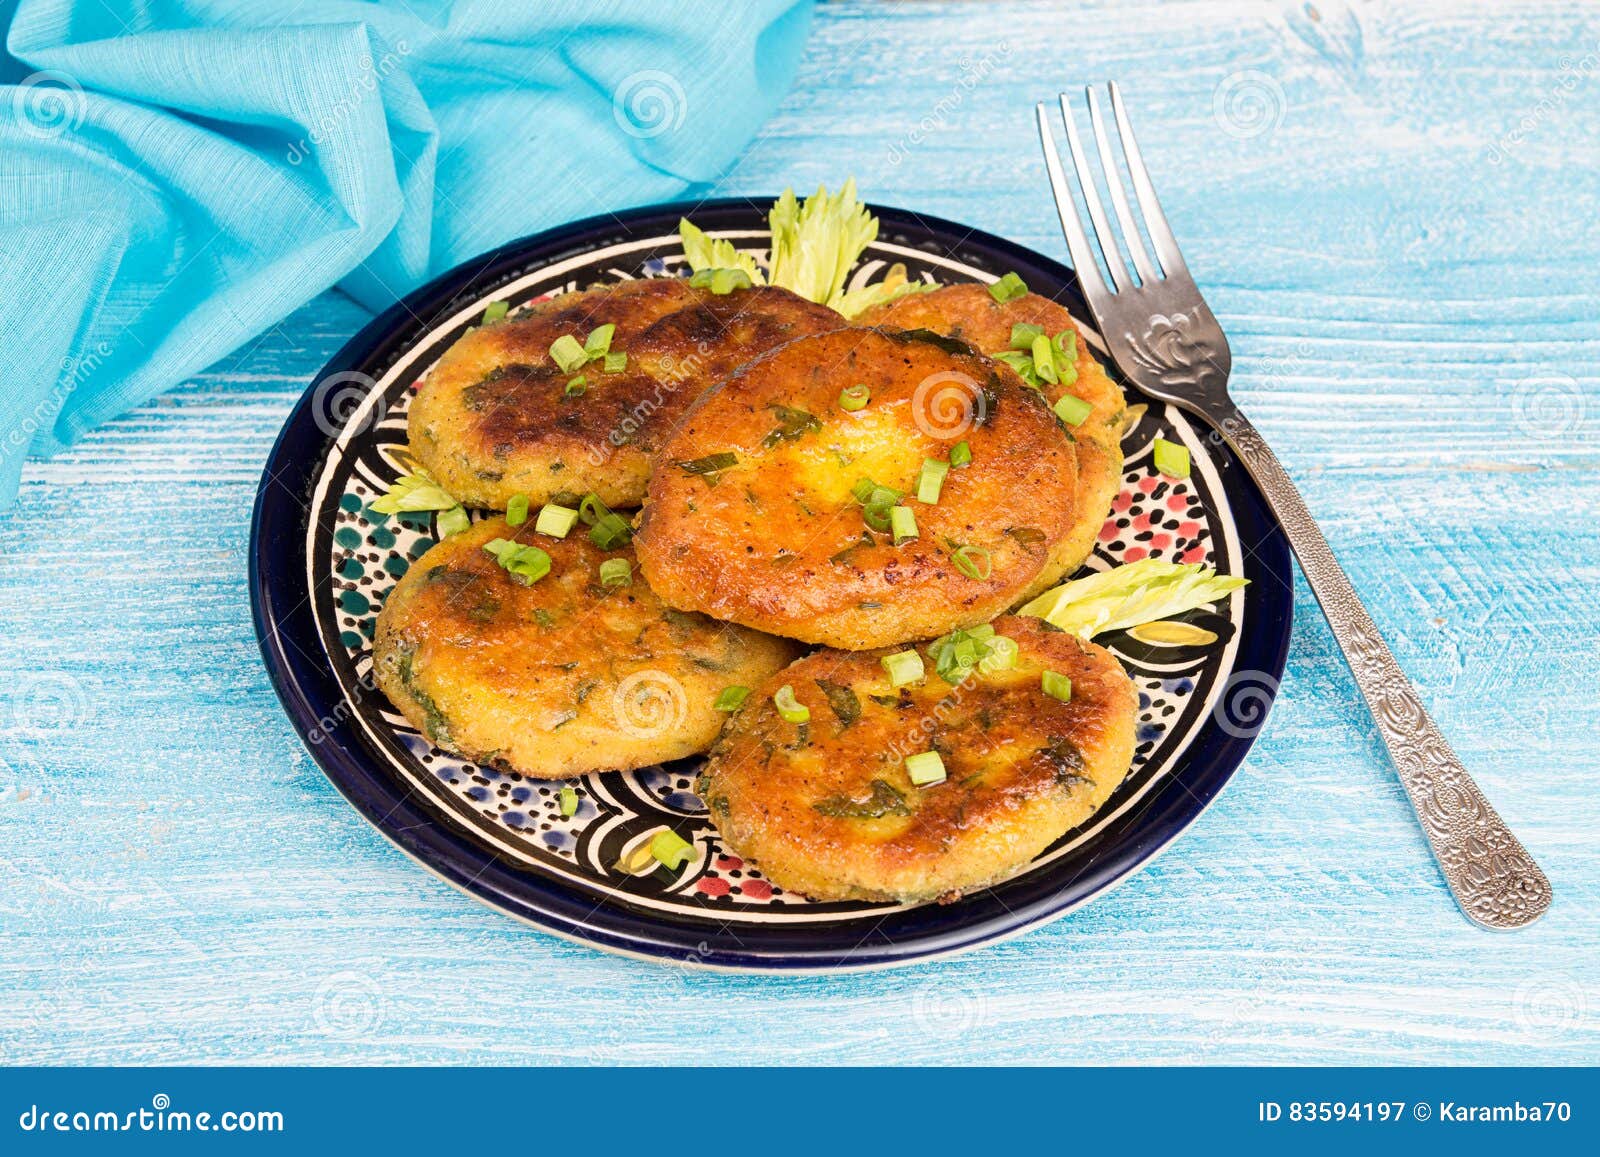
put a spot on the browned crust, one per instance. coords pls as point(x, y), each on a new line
point(493, 419)
point(971, 314)
point(777, 543)
point(1022, 769)
point(560, 677)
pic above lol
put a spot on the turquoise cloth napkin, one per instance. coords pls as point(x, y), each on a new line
point(178, 175)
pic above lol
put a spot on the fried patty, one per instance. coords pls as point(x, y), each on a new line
point(754, 515)
point(496, 417)
point(969, 313)
point(827, 809)
point(564, 675)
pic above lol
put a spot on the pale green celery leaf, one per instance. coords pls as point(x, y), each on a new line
point(858, 301)
point(815, 245)
point(1126, 596)
point(704, 252)
point(414, 492)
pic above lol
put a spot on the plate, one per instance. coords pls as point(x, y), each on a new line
point(321, 564)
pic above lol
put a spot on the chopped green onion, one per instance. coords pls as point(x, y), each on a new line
point(517, 510)
point(608, 531)
point(1002, 655)
point(1171, 459)
point(732, 698)
point(960, 455)
point(721, 281)
point(494, 311)
point(876, 502)
point(903, 667)
point(615, 362)
point(1057, 686)
point(931, 480)
point(902, 524)
point(925, 768)
point(569, 803)
point(1067, 346)
point(452, 521)
point(973, 561)
point(556, 521)
point(853, 398)
point(958, 652)
point(710, 467)
point(670, 849)
point(1022, 335)
point(616, 572)
point(1008, 288)
point(1072, 410)
point(525, 564)
point(577, 387)
point(790, 708)
point(567, 353)
point(598, 343)
point(1044, 360)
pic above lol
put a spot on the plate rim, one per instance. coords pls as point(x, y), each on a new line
point(278, 521)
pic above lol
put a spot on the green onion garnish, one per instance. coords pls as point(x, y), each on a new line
point(876, 502)
point(608, 531)
point(615, 362)
point(670, 849)
point(710, 467)
point(598, 343)
point(903, 667)
point(1008, 288)
point(577, 387)
point(452, 521)
point(616, 572)
point(555, 520)
point(1002, 655)
point(958, 652)
point(902, 524)
point(925, 768)
point(567, 353)
point(569, 803)
point(494, 311)
point(1171, 459)
point(1022, 335)
point(1044, 360)
point(973, 561)
point(1067, 346)
point(721, 281)
point(1057, 686)
point(960, 455)
point(732, 698)
point(526, 564)
point(931, 480)
point(790, 708)
point(853, 398)
point(1072, 410)
point(517, 510)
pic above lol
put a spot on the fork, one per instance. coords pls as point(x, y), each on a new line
point(1164, 338)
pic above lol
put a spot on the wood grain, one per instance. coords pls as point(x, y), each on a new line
point(1404, 261)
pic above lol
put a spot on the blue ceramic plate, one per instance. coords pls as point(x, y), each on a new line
point(322, 563)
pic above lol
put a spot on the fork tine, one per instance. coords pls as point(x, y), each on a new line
point(1091, 198)
point(1094, 286)
point(1166, 245)
point(1119, 198)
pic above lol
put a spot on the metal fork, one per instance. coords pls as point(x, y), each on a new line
point(1165, 340)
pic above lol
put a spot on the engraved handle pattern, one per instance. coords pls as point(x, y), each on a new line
point(1489, 872)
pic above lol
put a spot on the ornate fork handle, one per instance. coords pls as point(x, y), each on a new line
point(1489, 872)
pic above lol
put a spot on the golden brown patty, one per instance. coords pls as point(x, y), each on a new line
point(969, 313)
point(494, 418)
point(560, 677)
point(827, 808)
point(779, 542)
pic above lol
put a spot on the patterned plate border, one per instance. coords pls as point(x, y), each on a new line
point(313, 677)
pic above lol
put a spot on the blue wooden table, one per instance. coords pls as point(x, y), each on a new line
point(1393, 209)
